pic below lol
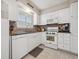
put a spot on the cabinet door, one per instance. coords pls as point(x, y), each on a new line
point(38, 38)
point(12, 10)
point(64, 41)
point(74, 27)
point(34, 40)
point(31, 42)
point(4, 38)
point(44, 38)
point(60, 41)
point(43, 19)
point(60, 38)
point(66, 47)
point(4, 9)
point(53, 18)
point(64, 15)
point(74, 44)
point(61, 46)
point(19, 48)
point(67, 38)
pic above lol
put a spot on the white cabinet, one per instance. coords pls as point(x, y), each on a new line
point(34, 40)
point(22, 44)
point(74, 44)
point(4, 9)
point(12, 10)
point(4, 38)
point(49, 18)
point(43, 38)
point(36, 19)
point(60, 16)
point(74, 27)
point(64, 41)
point(19, 47)
point(53, 17)
point(31, 43)
point(4, 30)
point(64, 16)
point(43, 20)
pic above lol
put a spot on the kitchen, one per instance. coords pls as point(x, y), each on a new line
point(39, 29)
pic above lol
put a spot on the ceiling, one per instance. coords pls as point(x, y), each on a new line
point(45, 4)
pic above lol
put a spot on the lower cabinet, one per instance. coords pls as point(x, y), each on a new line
point(19, 47)
point(23, 44)
point(74, 44)
point(44, 39)
point(68, 42)
point(64, 41)
point(64, 46)
point(34, 40)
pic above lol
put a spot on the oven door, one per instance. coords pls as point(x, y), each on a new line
point(52, 39)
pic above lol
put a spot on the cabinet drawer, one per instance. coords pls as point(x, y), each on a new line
point(66, 42)
point(66, 35)
point(61, 46)
point(66, 39)
point(66, 47)
point(60, 40)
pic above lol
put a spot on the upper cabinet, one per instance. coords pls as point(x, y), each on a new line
point(60, 16)
point(48, 18)
point(13, 10)
point(64, 16)
point(36, 19)
point(4, 9)
point(43, 20)
point(52, 18)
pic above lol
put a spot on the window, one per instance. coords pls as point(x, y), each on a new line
point(24, 20)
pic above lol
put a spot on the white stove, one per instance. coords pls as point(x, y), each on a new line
point(51, 40)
